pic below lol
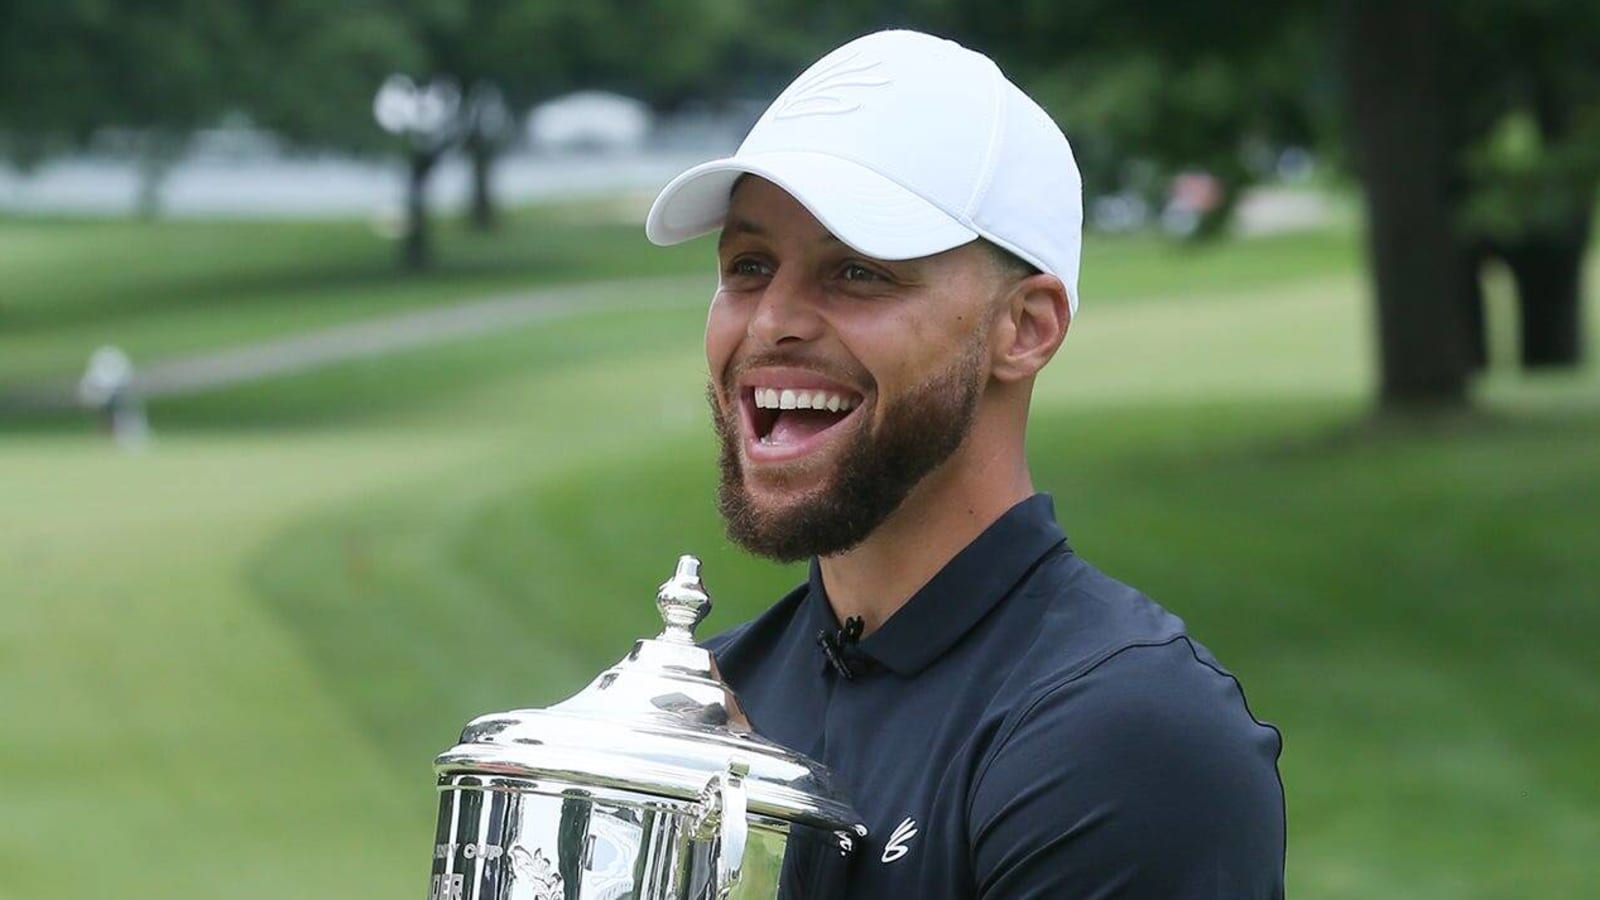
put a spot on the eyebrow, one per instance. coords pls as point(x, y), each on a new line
point(740, 225)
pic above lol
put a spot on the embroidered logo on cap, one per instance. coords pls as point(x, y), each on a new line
point(830, 91)
point(896, 847)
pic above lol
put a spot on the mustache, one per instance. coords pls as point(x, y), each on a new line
point(791, 360)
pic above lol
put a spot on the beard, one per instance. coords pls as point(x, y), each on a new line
point(877, 469)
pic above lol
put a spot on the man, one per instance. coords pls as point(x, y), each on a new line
point(899, 256)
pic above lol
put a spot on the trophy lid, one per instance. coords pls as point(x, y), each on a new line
point(661, 721)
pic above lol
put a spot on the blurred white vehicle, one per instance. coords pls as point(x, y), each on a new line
point(589, 120)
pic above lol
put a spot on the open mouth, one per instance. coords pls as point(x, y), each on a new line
point(792, 421)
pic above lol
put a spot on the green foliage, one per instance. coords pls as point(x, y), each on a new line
point(317, 66)
point(69, 68)
point(311, 69)
point(1149, 89)
point(1529, 87)
point(1527, 183)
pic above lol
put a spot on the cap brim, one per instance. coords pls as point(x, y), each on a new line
point(869, 212)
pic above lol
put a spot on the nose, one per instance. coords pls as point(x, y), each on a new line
point(786, 312)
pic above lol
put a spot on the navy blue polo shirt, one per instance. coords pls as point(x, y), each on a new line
point(1023, 727)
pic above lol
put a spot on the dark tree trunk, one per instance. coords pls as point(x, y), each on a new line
point(1547, 262)
point(1393, 56)
point(485, 215)
point(158, 152)
point(1473, 305)
point(416, 251)
point(1214, 223)
point(1548, 272)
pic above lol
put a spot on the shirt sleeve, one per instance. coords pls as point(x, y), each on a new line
point(1144, 778)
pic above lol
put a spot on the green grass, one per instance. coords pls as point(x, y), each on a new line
point(169, 288)
point(228, 661)
point(166, 288)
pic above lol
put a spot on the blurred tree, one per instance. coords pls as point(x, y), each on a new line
point(315, 68)
point(497, 48)
point(1152, 88)
point(1477, 134)
point(527, 51)
point(144, 73)
point(1531, 168)
point(154, 72)
point(38, 59)
point(1405, 133)
point(1472, 126)
point(311, 71)
point(488, 126)
point(427, 119)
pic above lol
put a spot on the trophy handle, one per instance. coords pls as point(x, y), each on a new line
point(723, 810)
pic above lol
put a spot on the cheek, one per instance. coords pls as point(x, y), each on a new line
point(900, 351)
point(725, 328)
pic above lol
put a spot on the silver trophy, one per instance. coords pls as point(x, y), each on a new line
point(649, 784)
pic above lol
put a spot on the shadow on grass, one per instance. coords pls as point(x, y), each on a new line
point(1225, 434)
point(428, 384)
point(500, 262)
point(40, 423)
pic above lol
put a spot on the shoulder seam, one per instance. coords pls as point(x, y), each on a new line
point(1021, 714)
point(1277, 771)
point(1238, 686)
point(1050, 687)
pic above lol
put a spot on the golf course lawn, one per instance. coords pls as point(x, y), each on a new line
point(228, 660)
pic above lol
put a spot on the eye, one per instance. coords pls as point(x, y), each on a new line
point(747, 267)
point(856, 272)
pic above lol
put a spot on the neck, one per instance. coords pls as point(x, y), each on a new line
point(941, 516)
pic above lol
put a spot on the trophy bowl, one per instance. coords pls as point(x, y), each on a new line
point(649, 784)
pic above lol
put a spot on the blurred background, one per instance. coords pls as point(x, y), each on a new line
point(342, 399)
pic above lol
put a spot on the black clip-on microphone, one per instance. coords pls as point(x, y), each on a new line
point(834, 645)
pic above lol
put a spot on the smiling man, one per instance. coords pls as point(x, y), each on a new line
point(899, 243)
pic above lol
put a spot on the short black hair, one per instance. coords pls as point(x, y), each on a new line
point(1009, 264)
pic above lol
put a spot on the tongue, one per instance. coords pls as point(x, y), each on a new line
point(795, 425)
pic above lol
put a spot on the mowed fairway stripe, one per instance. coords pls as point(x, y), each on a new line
point(1295, 340)
point(164, 735)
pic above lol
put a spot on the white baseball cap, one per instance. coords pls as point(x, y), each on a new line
point(903, 145)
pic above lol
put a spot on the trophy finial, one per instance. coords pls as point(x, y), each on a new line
point(683, 601)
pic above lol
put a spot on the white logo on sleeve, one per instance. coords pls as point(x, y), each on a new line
point(896, 847)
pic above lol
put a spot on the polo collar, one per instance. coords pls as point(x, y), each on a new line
point(972, 583)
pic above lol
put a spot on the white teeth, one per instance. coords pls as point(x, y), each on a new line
point(773, 398)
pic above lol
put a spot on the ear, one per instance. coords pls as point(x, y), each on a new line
point(1031, 324)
